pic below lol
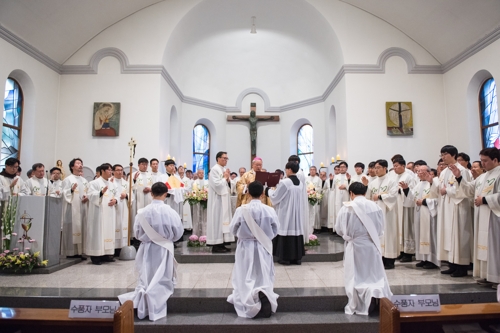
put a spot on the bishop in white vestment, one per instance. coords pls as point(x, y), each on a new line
point(219, 206)
point(100, 235)
point(255, 225)
point(157, 226)
point(75, 205)
point(361, 223)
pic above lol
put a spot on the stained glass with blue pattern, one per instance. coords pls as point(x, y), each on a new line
point(12, 108)
point(489, 114)
point(201, 149)
point(305, 147)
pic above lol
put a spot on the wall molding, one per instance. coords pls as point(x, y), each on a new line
point(127, 68)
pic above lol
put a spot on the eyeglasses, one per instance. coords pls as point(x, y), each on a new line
point(225, 158)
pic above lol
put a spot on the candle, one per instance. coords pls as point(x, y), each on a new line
point(173, 159)
point(185, 165)
point(168, 156)
point(333, 160)
point(338, 157)
point(321, 165)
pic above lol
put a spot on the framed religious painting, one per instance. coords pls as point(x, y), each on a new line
point(399, 118)
point(106, 119)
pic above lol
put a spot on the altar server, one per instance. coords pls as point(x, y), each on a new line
point(36, 185)
point(255, 225)
point(157, 226)
point(75, 205)
point(361, 223)
point(55, 187)
point(290, 203)
point(100, 240)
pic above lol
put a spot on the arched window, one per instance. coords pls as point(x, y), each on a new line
point(488, 108)
point(201, 149)
point(12, 121)
point(305, 147)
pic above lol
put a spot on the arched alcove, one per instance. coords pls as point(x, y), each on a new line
point(174, 143)
point(331, 129)
point(293, 133)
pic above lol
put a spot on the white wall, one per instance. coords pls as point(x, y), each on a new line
point(41, 90)
point(461, 98)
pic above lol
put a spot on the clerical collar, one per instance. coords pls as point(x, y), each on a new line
point(383, 177)
point(7, 175)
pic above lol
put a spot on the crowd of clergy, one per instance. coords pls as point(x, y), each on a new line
point(448, 216)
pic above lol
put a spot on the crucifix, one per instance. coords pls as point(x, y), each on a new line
point(253, 119)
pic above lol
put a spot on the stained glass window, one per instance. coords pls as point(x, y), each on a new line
point(305, 147)
point(489, 114)
point(11, 131)
point(201, 149)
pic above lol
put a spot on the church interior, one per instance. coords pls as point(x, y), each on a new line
point(171, 65)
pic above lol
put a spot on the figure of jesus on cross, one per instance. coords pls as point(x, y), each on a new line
point(253, 119)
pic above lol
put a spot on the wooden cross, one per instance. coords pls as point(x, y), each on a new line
point(253, 119)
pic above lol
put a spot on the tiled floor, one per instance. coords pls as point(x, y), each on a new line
point(121, 274)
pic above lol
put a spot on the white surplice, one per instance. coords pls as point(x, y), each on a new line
point(357, 178)
point(218, 208)
point(331, 204)
point(74, 217)
point(387, 188)
point(101, 223)
point(145, 179)
point(154, 263)
point(313, 184)
point(454, 219)
point(54, 187)
point(6, 191)
point(405, 211)
point(35, 186)
point(290, 203)
point(253, 269)
point(340, 196)
point(425, 218)
point(364, 272)
point(175, 198)
point(486, 252)
point(122, 213)
point(187, 219)
point(323, 207)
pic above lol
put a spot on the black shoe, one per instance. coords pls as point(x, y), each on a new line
point(406, 258)
point(316, 231)
point(226, 249)
point(461, 271)
point(108, 259)
point(74, 257)
point(218, 249)
point(296, 262)
point(389, 263)
point(430, 265)
point(95, 260)
point(265, 308)
point(450, 270)
point(284, 262)
point(400, 256)
point(421, 264)
point(389, 266)
point(374, 307)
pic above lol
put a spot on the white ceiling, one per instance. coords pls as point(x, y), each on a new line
point(59, 28)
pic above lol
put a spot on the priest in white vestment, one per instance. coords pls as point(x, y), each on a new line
point(37, 184)
point(323, 207)
point(290, 203)
point(142, 183)
point(484, 191)
point(155, 173)
point(122, 211)
point(100, 232)
point(75, 205)
point(455, 222)
point(340, 188)
point(55, 186)
point(10, 185)
point(157, 226)
point(199, 212)
point(255, 225)
point(361, 223)
point(219, 206)
point(425, 218)
point(384, 191)
point(187, 219)
point(313, 184)
point(358, 174)
point(405, 210)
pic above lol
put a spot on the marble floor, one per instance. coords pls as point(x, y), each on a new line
point(122, 274)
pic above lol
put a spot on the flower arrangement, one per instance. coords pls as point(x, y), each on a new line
point(197, 196)
point(313, 241)
point(314, 197)
point(8, 222)
point(21, 261)
point(195, 241)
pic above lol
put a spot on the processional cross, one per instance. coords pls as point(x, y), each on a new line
point(253, 119)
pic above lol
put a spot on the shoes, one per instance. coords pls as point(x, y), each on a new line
point(400, 256)
point(74, 257)
point(218, 249)
point(227, 249)
point(284, 262)
point(450, 270)
point(96, 260)
point(429, 265)
point(108, 259)
point(484, 282)
point(406, 258)
point(316, 231)
point(389, 266)
point(495, 286)
point(421, 264)
point(265, 308)
point(374, 307)
point(296, 262)
point(460, 272)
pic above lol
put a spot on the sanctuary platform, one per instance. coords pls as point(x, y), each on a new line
point(331, 248)
point(312, 296)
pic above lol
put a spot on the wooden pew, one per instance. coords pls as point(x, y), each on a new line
point(391, 319)
point(57, 320)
